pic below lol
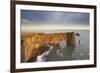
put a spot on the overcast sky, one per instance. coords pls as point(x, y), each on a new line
point(53, 19)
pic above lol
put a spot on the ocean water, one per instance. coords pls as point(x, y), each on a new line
point(81, 52)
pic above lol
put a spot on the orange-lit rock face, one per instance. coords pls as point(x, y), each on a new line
point(31, 42)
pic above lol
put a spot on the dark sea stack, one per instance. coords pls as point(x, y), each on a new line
point(32, 44)
point(77, 34)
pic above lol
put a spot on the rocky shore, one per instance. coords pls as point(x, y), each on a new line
point(35, 44)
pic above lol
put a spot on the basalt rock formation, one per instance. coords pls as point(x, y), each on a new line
point(33, 43)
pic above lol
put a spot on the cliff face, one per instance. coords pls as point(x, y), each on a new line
point(31, 43)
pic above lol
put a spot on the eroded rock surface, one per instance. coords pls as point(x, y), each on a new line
point(33, 44)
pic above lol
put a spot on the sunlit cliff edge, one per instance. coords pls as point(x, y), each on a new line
point(31, 42)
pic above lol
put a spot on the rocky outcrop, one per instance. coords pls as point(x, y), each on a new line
point(71, 41)
point(33, 43)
